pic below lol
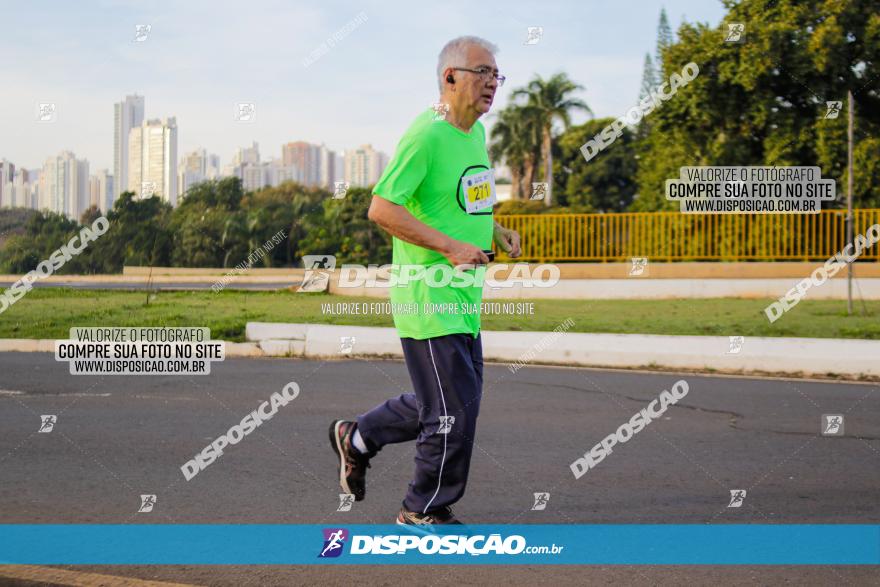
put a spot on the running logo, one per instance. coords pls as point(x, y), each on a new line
point(833, 107)
point(245, 112)
point(317, 274)
point(46, 112)
point(639, 265)
point(346, 344)
point(533, 35)
point(334, 542)
point(737, 496)
point(832, 424)
point(346, 500)
point(736, 345)
point(148, 189)
point(541, 500)
point(446, 423)
point(736, 32)
point(141, 32)
point(147, 504)
point(339, 189)
point(47, 423)
point(440, 109)
point(539, 191)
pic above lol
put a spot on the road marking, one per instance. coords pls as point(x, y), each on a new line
point(166, 397)
point(77, 578)
point(8, 392)
point(75, 394)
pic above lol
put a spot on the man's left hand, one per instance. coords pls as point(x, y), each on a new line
point(508, 240)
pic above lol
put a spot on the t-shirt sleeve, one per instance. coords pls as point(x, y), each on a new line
point(401, 179)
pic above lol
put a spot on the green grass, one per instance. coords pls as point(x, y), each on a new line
point(50, 313)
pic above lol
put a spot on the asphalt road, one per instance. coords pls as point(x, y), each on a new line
point(118, 437)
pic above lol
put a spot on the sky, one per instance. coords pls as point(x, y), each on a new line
point(201, 58)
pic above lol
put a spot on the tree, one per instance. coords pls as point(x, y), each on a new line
point(269, 211)
point(89, 215)
point(515, 141)
point(664, 40)
point(13, 221)
point(649, 78)
point(208, 225)
point(548, 101)
point(138, 235)
point(44, 233)
point(762, 102)
point(342, 228)
point(604, 184)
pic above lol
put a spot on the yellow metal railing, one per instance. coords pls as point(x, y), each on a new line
point(673, 236)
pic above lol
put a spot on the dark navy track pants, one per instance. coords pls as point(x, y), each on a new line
point(441, 416)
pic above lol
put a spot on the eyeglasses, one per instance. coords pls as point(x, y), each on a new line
point(485, 73)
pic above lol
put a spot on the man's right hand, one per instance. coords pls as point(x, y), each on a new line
point(399, 222)
point(459, 253)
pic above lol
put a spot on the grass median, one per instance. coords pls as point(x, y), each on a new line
point(50, 313)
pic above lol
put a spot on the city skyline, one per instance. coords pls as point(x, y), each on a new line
point(147, 162)
point(365, 88)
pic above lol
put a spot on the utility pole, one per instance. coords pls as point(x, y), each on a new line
point(849, 190)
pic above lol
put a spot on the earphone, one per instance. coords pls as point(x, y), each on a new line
point(450, 79)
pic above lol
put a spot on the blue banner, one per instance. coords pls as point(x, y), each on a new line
point(276, 544)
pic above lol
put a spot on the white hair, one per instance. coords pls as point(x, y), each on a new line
point(455, 53)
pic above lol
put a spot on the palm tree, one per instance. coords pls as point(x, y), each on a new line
point(515, 137)
point(548, 101)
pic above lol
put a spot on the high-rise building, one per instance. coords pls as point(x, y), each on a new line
point(195, 161)
point(127, 115)
point(243, 157)
point(94, 192)
point(212, 168)
point(255, 177)
point(101, 190)
point(282, 173)
point(364, 165)
point(268, 174)
point(339, 167)
point(152, 159)
point(18, 192)
point(327, 168)
point(247, 155)
point(31, 188)
point(196, 167)
point(64, 185)
point(230, 170)
point(307, 158)
point(7, 174)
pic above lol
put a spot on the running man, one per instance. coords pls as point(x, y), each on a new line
point(435, 198)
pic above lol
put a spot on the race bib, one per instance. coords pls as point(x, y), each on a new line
point(479, 191)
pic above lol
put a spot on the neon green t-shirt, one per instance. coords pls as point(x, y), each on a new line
point(425, 176)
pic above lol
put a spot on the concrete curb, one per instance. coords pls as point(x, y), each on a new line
point(811, 356)
point(807, 356)
point(27, 345)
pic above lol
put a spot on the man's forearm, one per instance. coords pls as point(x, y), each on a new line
point(397, 221)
